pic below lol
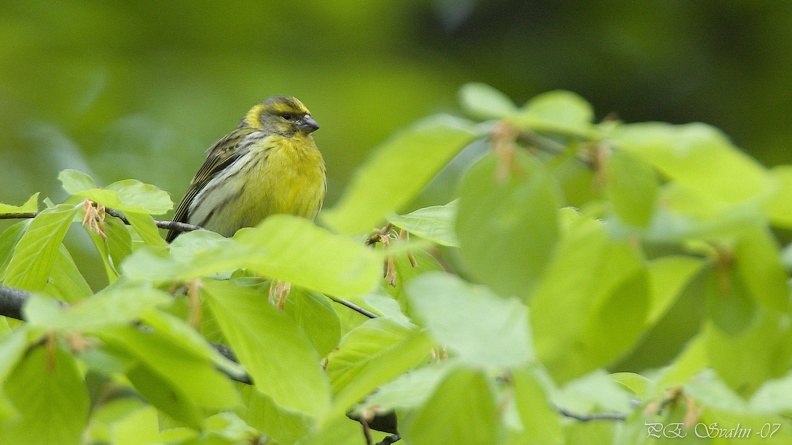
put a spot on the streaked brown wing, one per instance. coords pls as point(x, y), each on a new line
point(219, 156)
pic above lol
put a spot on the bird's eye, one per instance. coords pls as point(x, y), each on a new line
point(287, 116)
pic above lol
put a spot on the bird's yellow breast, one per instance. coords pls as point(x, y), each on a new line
point(291, 180)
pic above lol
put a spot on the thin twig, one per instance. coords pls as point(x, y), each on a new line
point(589, 417)
point(390, 439)
point(353, 306)
point(169, 225)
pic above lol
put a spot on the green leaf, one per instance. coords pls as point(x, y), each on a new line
point(31, 205)
point(12, 348)
point(591, 305)
point(48, 390)
point(406, 270)
point(111, 307)
point(477, 325)
point(271, 346)
point(316, 317)
point(142, 198)
point(461, 411)
point(518, 214)
point(262, 413)
point(178, 370)
point(697, 156)
point(485, 102)
point(66, 281)
point(593, 392)
point(397, 171)
point(295, 250)
point(758, 353)
point(779, 206)
point(635, 383)
point(179, 333)
point(560, 112)
point(114, 248)
point(410, 390)
point(435, 223)
point(632, 188)
point(145, 227)
point(74, 181)
point(758, 264)
point(540, 422)
point(8, 241)
point(370, 355)
point(36, 252)
point(127, 195)
point(668, 276)
point(729, 304)
point(163, 394)
point(282, 247)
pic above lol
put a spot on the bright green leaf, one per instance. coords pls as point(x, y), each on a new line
point(163, 394)
point(406, 269)
point(178, 332)
point(435, 223)
point(12, 348)
point(477, 325)
point(31, 205)
point(144, 225)
point(758, 264)
point(593, 392)
point(779, 206)
point(756, 354)
point(410, 390)
point(561, 112)
point(632, 188)
point(111, 307)
point(271, 347)
point(179, 370)
point(141, 198)
point(461, 411)
point(668, 275)
point(507, 227)
point(282, 247)
point(66, 281)
point(262, 413)
point(316, 317)
point(48, 390)
point(635, 383)
point(398, 170)
point(697, 156)
point(540, 422)
point(74, 181)
point(37, 250)
point(126, 195)
point(370, 355)
point(295, 250)
point(8, 241)
point(591, 304)
point(729, 304)
point(485, 102)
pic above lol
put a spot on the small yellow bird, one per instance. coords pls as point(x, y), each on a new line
point(269, 164)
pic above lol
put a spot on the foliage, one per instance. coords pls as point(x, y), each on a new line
point(626, 274)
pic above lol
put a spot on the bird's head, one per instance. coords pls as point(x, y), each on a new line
point(280, 114)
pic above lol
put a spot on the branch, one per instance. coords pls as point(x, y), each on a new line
point(11, 301)
point(169, 225)
point(589, 417)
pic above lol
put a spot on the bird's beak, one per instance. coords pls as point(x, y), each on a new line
point(307, 125)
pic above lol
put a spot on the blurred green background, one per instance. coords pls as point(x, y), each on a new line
point(140, 89)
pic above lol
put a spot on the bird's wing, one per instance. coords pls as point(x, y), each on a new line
point(220, 155)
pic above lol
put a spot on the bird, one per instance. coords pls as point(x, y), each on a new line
point(269, 164)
